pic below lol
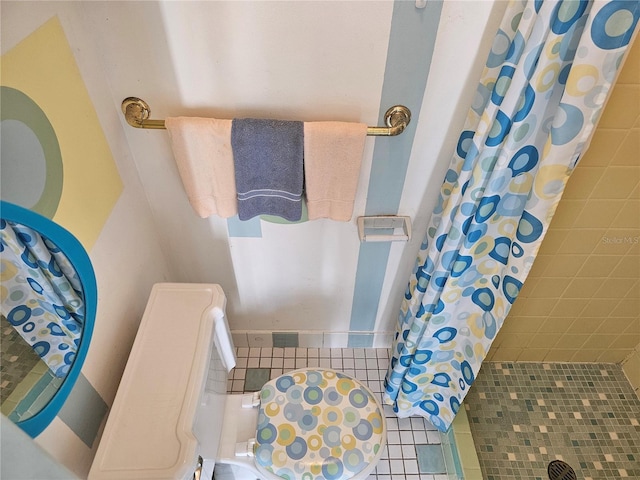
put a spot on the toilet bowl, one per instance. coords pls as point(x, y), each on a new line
point(310, 424)
point(172, 418)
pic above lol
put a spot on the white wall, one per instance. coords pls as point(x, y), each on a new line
point(289, 60)
point(293, 60)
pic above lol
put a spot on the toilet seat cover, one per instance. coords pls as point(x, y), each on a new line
point(318, 423)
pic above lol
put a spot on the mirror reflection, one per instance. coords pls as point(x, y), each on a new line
point(42, 319)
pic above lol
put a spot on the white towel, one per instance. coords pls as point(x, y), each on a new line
point(202, 150)
point(332, 158)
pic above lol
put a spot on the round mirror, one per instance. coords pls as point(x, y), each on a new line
point(48, 304)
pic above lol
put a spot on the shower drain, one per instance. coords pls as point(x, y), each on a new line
point(559, 470)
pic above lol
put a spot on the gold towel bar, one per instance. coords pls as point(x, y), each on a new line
point(137, 112)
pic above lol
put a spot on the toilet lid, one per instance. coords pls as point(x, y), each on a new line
point(318, 423)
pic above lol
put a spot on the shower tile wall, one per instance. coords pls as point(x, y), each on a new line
point(631, 368)
point(524, 415)
point(581, 301)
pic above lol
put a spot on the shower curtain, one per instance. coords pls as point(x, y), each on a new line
point(550, 70)
point(42, 297)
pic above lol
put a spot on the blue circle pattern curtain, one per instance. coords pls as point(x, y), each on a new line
point(42, 297)
point(545, 84)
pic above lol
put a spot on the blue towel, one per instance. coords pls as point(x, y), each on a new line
point(268, 155)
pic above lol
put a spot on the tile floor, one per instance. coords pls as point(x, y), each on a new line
point(16, 360)
point(524, 415)
point(26, 383)
point(413, 450)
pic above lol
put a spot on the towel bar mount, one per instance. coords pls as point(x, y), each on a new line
point(137, 112)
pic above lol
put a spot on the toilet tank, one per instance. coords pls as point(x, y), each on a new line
point(169, 406)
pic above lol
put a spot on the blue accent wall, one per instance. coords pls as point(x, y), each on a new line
point(411, 44)
point(84, 411)
point(249, 228)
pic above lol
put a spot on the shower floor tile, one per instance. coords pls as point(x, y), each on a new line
point(404, 457)
point(524, 415)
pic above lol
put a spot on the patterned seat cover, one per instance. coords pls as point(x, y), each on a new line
point(317, 424)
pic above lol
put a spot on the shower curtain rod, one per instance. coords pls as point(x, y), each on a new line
point(136, 112)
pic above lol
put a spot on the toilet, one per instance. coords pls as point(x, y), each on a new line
point(172, 418)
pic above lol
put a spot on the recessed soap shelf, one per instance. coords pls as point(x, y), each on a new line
point(384, 228)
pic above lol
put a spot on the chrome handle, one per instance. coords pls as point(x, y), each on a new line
point(198, 471)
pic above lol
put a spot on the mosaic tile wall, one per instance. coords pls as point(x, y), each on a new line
point(414, 450)
point(524, 415)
